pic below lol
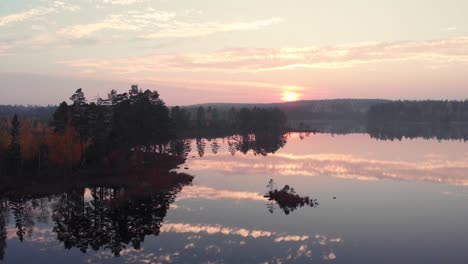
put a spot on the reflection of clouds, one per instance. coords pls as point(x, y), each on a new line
point(39, 235)
point(329, 256)
point(459, 193)
point(246, 233)
point(433, 169)
point(291, 238)
point(204, 192)
point(213, 229)
point(201, 244)
point(239, 60)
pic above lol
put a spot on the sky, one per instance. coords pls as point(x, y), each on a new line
point(202, 51)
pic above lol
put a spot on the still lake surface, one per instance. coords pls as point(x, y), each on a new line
point(378, 202)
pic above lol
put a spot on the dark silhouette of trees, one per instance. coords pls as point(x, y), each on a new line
point(13, 155)
point(286, 198)
point(441, 112)
point(201, 144)
point(201, 118)
point(109, 222)
point(141, 119)
point(113, 217)
point(260, 143)
point(215, 146)
point(61, 117)
point(3, 231)
point(79, 118)
point(24, 222)
point(180, 148)
point(411, 119)
point(130, 126)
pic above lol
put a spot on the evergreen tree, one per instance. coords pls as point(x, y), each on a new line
point(79, 118)
point(14, 148)
point(61, 117)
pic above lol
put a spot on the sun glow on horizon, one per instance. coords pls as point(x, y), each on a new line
point(290, 96)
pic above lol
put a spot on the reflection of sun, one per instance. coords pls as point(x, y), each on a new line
point(290, 96)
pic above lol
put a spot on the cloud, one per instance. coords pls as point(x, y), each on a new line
point(161, 24)
point(130, 21)
point(122, 2)
point(452, 28)
point(4, 49)
point(39, 12)
point(250, 60)
point(187, 30)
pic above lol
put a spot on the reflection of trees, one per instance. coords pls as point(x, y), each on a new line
point(179, 148)
point(201, 144)
point(40, 205)
point(400, 130)
point(112, 218)
point(260, 143)
point(121, 208)
point(215, 146)
point(3, 232)
point(286, 198)
point(23, 215)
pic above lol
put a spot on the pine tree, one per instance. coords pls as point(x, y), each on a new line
point(79, 118)
point(14, 149)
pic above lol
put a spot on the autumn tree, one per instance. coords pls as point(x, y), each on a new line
point(65, 148)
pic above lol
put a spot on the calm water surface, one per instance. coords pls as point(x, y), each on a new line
point(378, 202)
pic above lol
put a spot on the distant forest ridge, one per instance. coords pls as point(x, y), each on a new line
point(349, 110)
point(325, 105)
point(28, 110)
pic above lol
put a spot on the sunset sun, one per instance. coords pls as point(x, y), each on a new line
point(289, 96)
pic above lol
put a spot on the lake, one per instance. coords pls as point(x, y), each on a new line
point(375, 201)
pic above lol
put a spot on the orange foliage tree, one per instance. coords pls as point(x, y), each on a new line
point(65, 148)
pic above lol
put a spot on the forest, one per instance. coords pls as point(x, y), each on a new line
point(129, 128)
point(429, 111)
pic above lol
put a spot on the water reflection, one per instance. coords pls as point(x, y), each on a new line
point(110, 216)
point(349, 157)
point(3, 231)
point(399, 131)
point(111, 219)
point(384, 130)
point(157, 214)
point(259, 143)
point(286, 198)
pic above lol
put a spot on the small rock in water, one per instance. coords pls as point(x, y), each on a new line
point(334, 197)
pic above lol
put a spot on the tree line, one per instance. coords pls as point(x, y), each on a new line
point(123, 126)
point(429, 111)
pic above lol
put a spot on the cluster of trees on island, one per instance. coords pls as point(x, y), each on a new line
point(126, 126)
point(286, 198)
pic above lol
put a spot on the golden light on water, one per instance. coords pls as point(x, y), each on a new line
point(290, 96)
